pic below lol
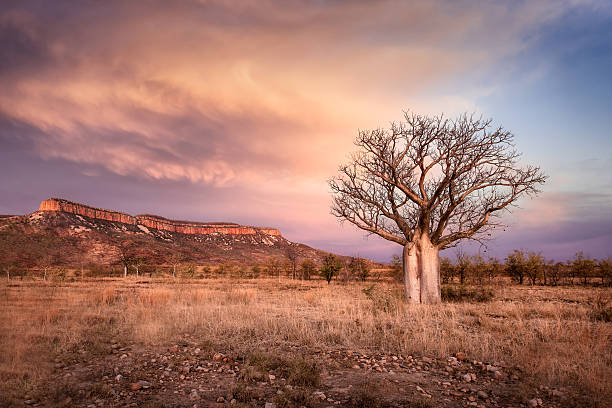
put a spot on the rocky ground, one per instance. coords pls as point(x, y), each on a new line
point(193, 375)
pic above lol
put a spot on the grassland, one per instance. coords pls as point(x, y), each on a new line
point(548, 343)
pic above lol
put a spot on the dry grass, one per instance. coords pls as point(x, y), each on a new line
point(548, 333)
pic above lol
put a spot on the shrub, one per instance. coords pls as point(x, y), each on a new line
point(465, 294)
point(304, 372)
point(383, 300)
point(295, 397)
point(601, 309)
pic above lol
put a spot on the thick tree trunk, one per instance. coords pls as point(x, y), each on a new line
point(412, 277)
point(422, 271)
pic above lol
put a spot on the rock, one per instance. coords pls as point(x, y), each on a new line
point(532, 403)
point(427, 360)
point(497, 375)
point(220, 400)
point(320, 395)
point(422, 391)
point(556, 393)
point(461, 356)
point(194, 395)
point(466, 377)
point(270, 405)
point(135, 386)
point(482, 394)
point(145, 384)
point(119, 377)
point(123, 356)
point(218, 357)
point(233, 401)
point(356, 366)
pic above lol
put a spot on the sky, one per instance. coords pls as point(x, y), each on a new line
point(241, 111)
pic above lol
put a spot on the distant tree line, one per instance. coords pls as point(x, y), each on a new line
point(44, 261)
point(527, 267)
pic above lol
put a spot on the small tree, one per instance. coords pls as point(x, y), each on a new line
point(605, 271)
point(190, 270)
point(331, 266)
point(464, 263)
point(307, 268)
point(255, 271)
point(447, 270)
point(495, 268)
point(273, 267)
point(360, 268)
point(292, 255)
point(516, 265)
point(137, 262)
point(8, 268)
point(582, 266)
point(534, 266)
point(176, 259)
point(429, 183)
point(554, 272)
point(478, 269)
point(126, 254)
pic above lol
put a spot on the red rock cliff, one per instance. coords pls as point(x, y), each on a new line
point(152, 221)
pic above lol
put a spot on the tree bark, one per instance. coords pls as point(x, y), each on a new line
point(422, 271)
point(412, 277)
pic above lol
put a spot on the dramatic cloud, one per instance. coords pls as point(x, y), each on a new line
point(259, 98)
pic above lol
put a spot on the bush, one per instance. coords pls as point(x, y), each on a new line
point(298, 371)
point(453, 293)
point(383, 300)
point(601, 309)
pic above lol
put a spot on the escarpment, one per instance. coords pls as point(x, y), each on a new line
point(153, 221)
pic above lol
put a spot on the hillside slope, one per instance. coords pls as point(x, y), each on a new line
point(61, 232)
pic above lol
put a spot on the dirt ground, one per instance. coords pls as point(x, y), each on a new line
point(184, 375)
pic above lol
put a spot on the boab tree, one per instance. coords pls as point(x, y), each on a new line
point(429, 183)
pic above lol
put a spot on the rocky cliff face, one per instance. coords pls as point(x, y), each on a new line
point(153, 221)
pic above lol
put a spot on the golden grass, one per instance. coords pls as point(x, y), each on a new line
point(545, 332)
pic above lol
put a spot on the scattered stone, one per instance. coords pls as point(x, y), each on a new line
point(556, 393)
point(145, 384)
point(272, 377)
point(532, 403)
point(218, 357)
point(194, 395)
point(461, 356)
point(270, 405)
point(422, 391)
point(119, 377)
point(320, 395)
point(482, 394)
point(220, 400)
point(466, 377)
point(123, 356)
point(135, 386)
